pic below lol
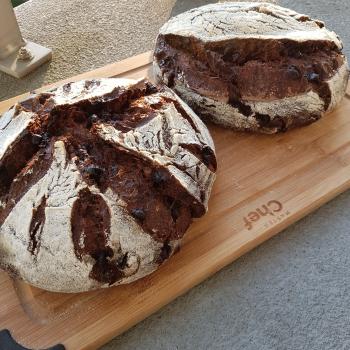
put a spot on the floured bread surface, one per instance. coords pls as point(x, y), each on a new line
point(252, 66)
point(99, 181)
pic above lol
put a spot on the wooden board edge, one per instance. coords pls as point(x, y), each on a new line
point(108, 71)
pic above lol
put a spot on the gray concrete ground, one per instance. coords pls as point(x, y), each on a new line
point(290, 293)
point(85, 35)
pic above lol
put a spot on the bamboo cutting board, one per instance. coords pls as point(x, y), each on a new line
point(264, 184)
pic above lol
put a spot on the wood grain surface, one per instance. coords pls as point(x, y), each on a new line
point(265, 183)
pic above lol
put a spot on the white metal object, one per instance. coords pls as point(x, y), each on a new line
point(11, 42)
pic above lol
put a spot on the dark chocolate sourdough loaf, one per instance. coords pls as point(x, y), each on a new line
point(252, 66)
point(99, 180)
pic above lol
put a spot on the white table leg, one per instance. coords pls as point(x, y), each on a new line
point(11, 41)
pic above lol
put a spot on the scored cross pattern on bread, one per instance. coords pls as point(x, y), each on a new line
point(100, 180)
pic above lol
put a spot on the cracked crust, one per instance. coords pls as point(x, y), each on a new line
point(99, 181)
point(248, 20)
point(252, 66)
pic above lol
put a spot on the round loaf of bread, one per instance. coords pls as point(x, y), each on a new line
point(252, 66)
point(99, 180)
